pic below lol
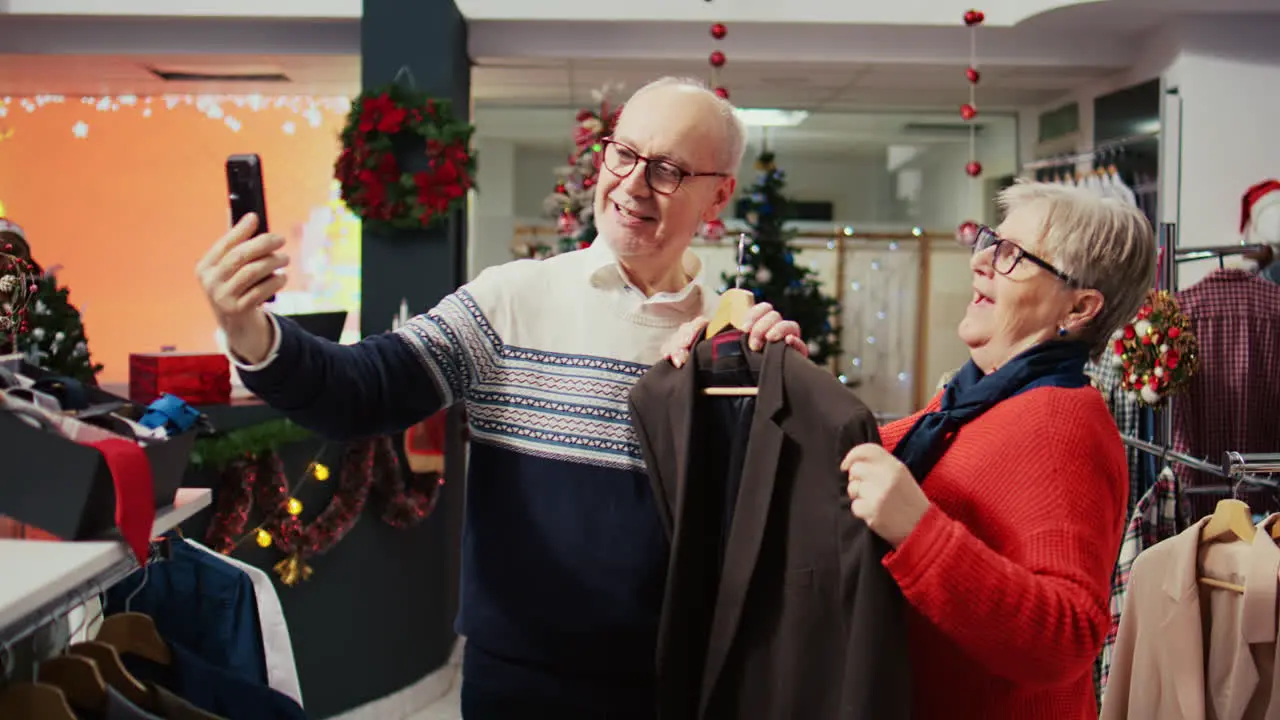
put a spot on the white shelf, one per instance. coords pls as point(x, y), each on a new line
point(35, 573)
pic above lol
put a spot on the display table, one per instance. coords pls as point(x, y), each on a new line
point(38, 574)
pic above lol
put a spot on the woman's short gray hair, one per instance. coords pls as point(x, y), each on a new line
point(734, 131)
point(1105, 243)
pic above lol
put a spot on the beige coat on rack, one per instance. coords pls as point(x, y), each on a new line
point(1161, 670)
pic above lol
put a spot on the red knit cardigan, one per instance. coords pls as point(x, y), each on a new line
point(1008, 575)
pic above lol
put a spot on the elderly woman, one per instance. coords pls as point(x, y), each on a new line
point(1004, 500)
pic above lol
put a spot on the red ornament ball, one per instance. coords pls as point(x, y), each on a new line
point(722, 93)
point(973, 168)
point(967, 233)
point(972, 75)
point(718, 31)
point(973, 18)
point(968, 111)
point(717, 59)
point(561, 189)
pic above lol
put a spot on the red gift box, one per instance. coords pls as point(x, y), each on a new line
point(198, 378)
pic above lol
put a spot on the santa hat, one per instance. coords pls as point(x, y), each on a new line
point(1257, 200)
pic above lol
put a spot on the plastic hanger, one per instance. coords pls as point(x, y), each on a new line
point(79, 680)
point(732, 312)
point(1231, 520)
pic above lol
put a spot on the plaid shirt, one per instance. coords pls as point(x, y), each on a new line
point(1157, 516)
point(1106, 375)
point(1233, 402)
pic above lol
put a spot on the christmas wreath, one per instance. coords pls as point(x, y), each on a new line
point(18, 278)
point(406, 162)
point(1158, 350)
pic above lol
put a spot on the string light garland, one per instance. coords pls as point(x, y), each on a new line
point(260, 479)
point(1158, 350)
point(967, 232)
point(375, 167)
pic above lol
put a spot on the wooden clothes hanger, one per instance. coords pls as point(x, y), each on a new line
point(135, 634)
point(732, 312)
point(79, 680)
point(1231, 521)
point(35, 700)
point(107, 658)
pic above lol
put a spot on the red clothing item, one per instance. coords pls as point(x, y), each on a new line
point(1008, 575)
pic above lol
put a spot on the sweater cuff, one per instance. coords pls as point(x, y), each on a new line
point(224, 347)
point(914, 557)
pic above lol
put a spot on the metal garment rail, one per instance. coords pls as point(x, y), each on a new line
point(64, 604)
point(1209, 253)
point(1233, 469)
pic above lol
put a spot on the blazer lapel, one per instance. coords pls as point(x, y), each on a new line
point(751, 513)
point(1181, 625)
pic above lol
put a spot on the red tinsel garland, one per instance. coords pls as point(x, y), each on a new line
point(365, 467)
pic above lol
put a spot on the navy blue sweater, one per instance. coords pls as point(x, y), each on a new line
point(563, 555)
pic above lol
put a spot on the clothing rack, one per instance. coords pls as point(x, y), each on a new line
point(1235, 467)
point(1101, 149)
point(42, 581)
point(1207, 253)
point(68, 601)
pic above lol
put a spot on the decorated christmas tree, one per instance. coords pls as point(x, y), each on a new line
point(37, 318)
point(769, 267)
point(572, 203)
point(55, 338)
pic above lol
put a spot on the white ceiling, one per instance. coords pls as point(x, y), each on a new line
point(810, 86)
point(561, 83)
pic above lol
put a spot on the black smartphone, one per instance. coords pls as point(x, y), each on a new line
point(246, 191)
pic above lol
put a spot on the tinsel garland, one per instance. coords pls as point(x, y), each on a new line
point(365, 467)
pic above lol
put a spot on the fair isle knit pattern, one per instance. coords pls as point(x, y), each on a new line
point(570, 407)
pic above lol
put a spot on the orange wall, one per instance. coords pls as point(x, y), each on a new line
point(128, 208)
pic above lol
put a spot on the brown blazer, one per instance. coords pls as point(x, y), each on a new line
point(1161, 670)
point(789, 615)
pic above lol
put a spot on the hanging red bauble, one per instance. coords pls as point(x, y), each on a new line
point(722, 93)
point(973, 168)
point(718, 31)
point(588, 182)
point(717, 59)
point(973, 18)
point(561, 189)
point(973, 75)
point(967, 233)
point(968, 112)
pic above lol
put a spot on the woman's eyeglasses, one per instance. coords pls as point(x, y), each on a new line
point(1008, 254)
point(663, 176)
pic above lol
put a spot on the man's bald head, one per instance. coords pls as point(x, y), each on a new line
point(695, 95)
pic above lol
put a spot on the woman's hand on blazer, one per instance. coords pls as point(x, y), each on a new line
point(884, 494)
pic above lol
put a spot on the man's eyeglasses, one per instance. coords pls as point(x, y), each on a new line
point(663, 176)
point(1008, 254)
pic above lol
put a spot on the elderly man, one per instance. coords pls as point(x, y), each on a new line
point(563, 553)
